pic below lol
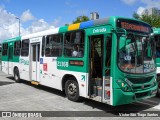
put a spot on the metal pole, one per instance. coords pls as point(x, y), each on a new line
point(19, 25)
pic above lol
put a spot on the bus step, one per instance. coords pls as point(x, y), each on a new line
point(97, 90)
point(96, 98)
point(34, 82)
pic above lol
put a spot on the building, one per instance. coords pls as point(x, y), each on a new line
point(151, 11)
point(94, 15)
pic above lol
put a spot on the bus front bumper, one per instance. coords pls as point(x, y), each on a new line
point(120, 97)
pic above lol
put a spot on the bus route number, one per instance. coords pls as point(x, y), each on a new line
point(62, 64)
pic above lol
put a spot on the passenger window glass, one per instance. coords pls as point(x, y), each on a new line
point(53, 45)
point(43, 45)
point(25, 47)
point(74, 44)
point(5, 49)
point(17, 48)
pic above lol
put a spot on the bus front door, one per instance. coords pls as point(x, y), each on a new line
point(35, 52)
point(100, 60)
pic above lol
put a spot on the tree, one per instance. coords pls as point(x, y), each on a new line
point(81, 19)
point(135, 15)
point(153, 20)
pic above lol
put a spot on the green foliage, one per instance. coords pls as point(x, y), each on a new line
point(135, 15)
point(153, 20)
point(81, 19)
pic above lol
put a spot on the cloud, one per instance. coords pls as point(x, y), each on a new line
point(140, 10)
point(148, 4)
point(57, 21)
point(151, 3)
point(26, 16)
point(7, 22)
point(129, 2)
point(9, 26)
point(39, 25)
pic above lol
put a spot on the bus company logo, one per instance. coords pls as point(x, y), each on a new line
point(99, 30)
point(25, 62)
point(6, 114)
point(21, 114)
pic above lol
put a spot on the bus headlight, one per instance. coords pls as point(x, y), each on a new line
point(123, 85)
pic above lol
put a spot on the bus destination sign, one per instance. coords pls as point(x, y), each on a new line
point(134, 26)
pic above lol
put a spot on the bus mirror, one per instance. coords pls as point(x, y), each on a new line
point(122, 42)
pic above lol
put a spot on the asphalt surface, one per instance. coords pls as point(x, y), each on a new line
point(25, 99)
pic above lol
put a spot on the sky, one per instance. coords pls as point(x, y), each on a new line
point(39, 15)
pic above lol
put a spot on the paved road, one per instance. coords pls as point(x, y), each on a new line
point(26, 97)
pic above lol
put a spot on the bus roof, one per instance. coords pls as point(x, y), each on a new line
point(12, 39)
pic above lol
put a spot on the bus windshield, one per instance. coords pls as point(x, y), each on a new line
point(136, 53)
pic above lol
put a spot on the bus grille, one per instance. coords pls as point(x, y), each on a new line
point(140, 95)
point(136, 88)
point(140, 80)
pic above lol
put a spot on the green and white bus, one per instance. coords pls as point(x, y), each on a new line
point(109, 60)
point(157, 40)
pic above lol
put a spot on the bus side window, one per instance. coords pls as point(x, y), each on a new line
point(56, 49)
point(25, 48)
point(53, 45)
point(74, 44)
point(5, 49)
point(48, 46)
point(67, 45)
point(43, 46)
point(17, 48)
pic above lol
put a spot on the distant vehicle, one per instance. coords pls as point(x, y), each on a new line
point(109, 60)
point(157, 40)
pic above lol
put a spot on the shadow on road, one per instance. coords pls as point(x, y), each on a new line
point(41, 87)
point(2, 83)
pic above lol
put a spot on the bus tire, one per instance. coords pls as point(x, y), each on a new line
point(16, 75)
point(72, 90)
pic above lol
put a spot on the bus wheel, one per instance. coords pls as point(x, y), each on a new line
point(16, 75)
point(72, 90)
